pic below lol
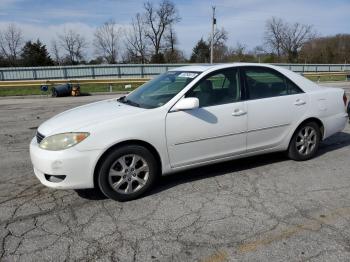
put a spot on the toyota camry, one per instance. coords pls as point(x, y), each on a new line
point(187, 117)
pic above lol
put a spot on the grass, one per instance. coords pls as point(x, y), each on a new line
point(327, 78)
point(85, 88)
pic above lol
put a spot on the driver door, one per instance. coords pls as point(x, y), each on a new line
point(215, 130)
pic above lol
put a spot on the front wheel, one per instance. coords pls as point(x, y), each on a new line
point(305, 142)
point(127, 172)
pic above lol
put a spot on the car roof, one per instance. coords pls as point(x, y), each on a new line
point(206, 67)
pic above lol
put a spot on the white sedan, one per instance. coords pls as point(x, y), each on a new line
point(188, 117)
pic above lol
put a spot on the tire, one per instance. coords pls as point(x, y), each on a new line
point(127, 173)
point(305, 142)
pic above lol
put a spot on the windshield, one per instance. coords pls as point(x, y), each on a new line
point(159, 90)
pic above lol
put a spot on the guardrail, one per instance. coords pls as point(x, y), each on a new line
point(128, 71)
point(346, 75)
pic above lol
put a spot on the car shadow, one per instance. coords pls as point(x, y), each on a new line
point(213, 170)
point(335, 142)
point(90, 194)
point(193, 174)
point(203, 115)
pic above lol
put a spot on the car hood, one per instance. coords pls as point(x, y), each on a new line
point(83, 116)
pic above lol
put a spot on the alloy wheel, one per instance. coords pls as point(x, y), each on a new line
point(128, 174)
point(306, 140)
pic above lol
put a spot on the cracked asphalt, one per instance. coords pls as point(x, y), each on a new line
point(264, 208)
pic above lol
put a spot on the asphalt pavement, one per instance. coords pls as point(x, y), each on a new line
point(264, 208)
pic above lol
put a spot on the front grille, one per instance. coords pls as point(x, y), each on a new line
point(39, 137)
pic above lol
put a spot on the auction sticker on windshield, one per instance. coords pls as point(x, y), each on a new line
point(188, 75)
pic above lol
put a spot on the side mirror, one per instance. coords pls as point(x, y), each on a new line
point(186, 104)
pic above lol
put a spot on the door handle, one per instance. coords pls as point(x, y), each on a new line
point(238, 112)
point(299, 102)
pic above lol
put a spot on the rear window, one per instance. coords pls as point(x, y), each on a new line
point(265, 82)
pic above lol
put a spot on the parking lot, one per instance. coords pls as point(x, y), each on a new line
point(264, 208)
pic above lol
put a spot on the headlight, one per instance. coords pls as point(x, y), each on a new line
point(62, 141)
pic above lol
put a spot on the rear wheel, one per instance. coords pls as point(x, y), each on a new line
point(305, 142)
point(127, 172)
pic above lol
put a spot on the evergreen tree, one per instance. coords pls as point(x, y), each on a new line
point(35, 54)
point(201, 52)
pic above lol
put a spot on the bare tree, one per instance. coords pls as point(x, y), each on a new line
point(220, 48)
point(136, 43)
point(11, 40)
point(327, 50)
point(158, 21)
point(171, 39)
point(106, 41)
point(220, 37)
point(274, 35)
point(172, 54)
point(74, 44)
point(296, 36)
point(287, 39)
point(56, 52)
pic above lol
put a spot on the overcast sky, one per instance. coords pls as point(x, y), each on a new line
point(243, 19)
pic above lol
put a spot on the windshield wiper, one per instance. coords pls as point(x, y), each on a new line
point(128, 102)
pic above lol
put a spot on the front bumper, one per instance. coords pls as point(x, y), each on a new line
point(77, 167)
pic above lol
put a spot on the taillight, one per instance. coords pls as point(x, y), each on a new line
point(345, 99)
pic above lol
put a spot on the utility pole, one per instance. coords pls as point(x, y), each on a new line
point(212, 35)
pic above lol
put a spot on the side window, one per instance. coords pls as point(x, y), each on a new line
point(292, 88)
point(218, 88)
point(219, 81)
point(263, 83)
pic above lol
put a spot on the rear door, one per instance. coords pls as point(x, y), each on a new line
point(274, 103)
